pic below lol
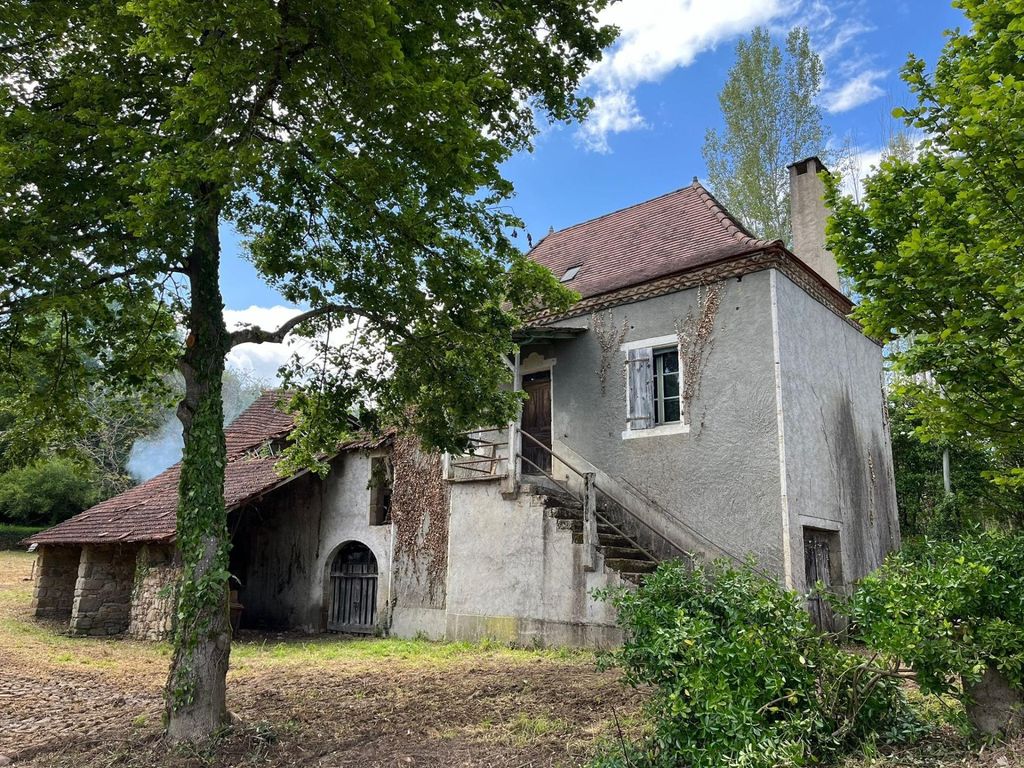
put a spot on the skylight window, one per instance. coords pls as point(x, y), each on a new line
point(570, 273)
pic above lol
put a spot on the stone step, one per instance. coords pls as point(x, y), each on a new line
point(565, 513)
point(603, 540)
point(622, 553)
point(630, 565)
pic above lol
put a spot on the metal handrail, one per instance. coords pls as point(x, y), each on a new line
point(593, 480)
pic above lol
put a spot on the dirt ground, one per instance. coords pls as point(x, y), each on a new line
point(330, 701)
point(323, 701)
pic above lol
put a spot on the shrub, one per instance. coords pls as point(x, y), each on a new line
point(740, 676)
point(953, 611)
point(46, 492)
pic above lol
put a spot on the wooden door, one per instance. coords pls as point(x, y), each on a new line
point(353, 590)
point(537, 422)
point(818, 567)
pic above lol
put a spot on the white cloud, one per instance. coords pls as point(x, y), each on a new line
point(613, 112)
point(262, 361)
point(656, 37)
point(858, 90)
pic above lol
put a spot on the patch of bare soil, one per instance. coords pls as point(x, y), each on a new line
point(80, 703)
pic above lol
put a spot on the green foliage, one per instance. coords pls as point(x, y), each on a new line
point(771, 120)
point(936, 245)
point(924, 507)
point(740, 677)
point(358, 148)
point(46, 492)
point(948, 609)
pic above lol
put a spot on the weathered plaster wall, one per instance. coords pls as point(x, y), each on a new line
point(720, 479)
point(152, 600)
point(838, 456)
point(56, 574)
point(288, 539)
point(514, 576)
point(103, 590)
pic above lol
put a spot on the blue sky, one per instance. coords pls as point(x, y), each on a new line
point(656, 93)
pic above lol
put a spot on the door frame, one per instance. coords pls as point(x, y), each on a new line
point(545, 366)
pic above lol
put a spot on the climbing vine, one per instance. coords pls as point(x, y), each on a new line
point(609, 339)
point(696, 340)
point(419, 511)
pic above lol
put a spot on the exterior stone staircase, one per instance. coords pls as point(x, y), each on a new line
point(620, 553)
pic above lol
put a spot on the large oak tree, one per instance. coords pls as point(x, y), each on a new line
point(356, 145)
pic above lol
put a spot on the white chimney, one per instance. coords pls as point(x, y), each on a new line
point(809, 214)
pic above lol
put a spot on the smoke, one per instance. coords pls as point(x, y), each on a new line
point(154, 453)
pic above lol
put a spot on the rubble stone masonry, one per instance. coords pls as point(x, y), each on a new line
point(56, 574)
point(152, 598)
point(103, 590)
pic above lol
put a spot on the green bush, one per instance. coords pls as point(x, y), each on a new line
point(740, 676)
point(11, 535)
point(950, 610)
point(46, 492)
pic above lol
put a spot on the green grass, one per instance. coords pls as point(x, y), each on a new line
point(429, 652)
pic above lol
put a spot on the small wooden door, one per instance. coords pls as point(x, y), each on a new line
point(353, 590)
point(537, 422)
point(818, 567)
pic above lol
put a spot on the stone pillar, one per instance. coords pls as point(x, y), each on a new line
point(152, 599)
point(103, 590)
point(56, 573)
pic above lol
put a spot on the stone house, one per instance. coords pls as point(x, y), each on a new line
point(708, 396)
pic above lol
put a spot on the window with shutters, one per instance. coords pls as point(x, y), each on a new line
point(653, 402)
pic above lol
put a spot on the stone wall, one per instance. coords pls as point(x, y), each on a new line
point(103, 590)
point(152, 599)
point(56, 574)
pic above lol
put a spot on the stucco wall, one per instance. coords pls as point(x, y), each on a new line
point(838, 456)
point(288, 539)
point(515, 576)
point(721, 478)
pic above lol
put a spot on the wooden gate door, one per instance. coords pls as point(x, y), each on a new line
point(537, 421)
point(818, 567)
point(353, 590)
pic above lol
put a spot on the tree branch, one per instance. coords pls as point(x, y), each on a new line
point(253, 335)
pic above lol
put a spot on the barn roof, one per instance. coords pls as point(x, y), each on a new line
point(678, 231)
point(147, 512)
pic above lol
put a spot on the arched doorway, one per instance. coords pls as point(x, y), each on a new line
point(353, 605)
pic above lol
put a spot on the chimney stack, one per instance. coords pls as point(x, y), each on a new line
point(809, 214)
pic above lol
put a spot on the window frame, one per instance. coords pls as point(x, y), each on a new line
point(682, 426)
point(658, 355)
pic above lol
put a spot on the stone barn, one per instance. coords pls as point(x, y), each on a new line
point(708, 396)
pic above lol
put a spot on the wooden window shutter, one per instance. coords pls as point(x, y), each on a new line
point(640, 386)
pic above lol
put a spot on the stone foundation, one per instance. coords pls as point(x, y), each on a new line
point(56, 574)
point(152, 599)
point(103, 590)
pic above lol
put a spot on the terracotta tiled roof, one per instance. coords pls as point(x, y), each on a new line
point(678, 231)
point(147, 512)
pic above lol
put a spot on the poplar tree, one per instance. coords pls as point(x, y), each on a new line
point(771, 120)
point(356, 145)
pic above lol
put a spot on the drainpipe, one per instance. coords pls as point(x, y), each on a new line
point(947, 482)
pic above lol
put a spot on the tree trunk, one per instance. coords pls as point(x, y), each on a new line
point(994, 706)
point(195, 694)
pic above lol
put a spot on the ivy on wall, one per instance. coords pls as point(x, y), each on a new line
point(419, 513)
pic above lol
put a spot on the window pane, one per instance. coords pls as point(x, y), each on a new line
point(669, 360)
point(671, 385)
point(672, 410)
